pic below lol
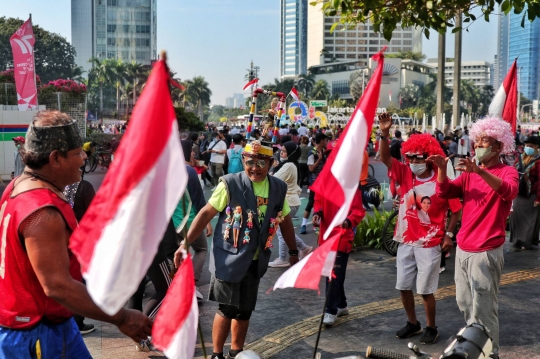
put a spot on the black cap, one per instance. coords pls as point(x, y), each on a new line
point(535, 140)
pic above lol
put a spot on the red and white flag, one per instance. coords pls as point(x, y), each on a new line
point(505, 102)
point(252, 82)
point(294, 94)
point(22, 45)
point(175, 327)
point(119, 235)
point(307, 273)
point(338, 181)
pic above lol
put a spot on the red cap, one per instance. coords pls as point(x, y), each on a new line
point(19, 138)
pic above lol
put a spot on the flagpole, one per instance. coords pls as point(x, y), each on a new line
point(326, 299)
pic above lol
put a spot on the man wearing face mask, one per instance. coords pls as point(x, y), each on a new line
point(488, 190)
point(19, 165)
point(421, 242)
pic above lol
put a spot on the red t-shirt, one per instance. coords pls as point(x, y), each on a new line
point(421, 221)
point(484, 210)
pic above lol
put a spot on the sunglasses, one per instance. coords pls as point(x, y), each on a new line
point(259, 163)
point(415, 157)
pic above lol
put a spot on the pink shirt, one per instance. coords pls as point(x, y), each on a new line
point(484, 210)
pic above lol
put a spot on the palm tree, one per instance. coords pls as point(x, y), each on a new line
point(102, 73)
point(136, 73)
point(127, 91)
point(199, 94)
point(120, 75)
point(305, 83)
point(320, 90)
point(409, 95)
point(76, 74)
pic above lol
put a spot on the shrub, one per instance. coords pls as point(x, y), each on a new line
point(369, 231)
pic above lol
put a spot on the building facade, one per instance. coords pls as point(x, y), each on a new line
point(293, 37)
point(359, 43)
point(525, 43)
point(478, 72)
point(502, 50)
point(114, 29)
point(236, 101)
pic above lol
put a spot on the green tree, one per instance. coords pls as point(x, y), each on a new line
point(100, 73)
point(320, 90)
point(54, 56)
point(409, 95)
point(188, 121)
point(409, 55)
point(137, 74)
point(120, 76)
point(431, 14)
point(486, 96)
point(198, 93)
point(305, 83)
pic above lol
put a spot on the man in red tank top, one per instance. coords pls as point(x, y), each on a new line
point(39, 277)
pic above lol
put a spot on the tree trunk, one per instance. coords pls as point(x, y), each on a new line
point(457, 73)
point(101, 97)
point(440, 76)
point(134, 93)
point(117, 101)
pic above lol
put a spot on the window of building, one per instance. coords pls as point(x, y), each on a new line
point(374, 42)
point(362, 56)
point(407, 35)
point(351, 34)
point(407, 42)
point(340, 34)
point(340, 56)
point(340, 48)
point(340, 42)
point(364, 49)
point(126, 28)
point(111, 41)
point(326, 42)
point(111, 28)
point(111, 55)
point(351, 56)
point(112, 2)
point(327, 27)
point(351, 48)
point(374, 49)
point(362, 42)
point(373, 34)
point(329, 48)
point(351, 42)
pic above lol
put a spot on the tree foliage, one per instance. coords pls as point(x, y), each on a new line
point(188, 121)
point(54, 56)
point(426, 14)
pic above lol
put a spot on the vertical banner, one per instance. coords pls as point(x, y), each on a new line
point(22, 45)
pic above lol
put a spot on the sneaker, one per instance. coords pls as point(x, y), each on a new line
point(329, 319)
point(442, 269)
point(342, 311)
point(143, 346)
point(429, 336)
point(87, 328)
point(217, 356)
point(303, 229)
point(229, 356)
point(409, 330)
point(278, 263)
point(494, 356)
point(304, 252)
point(198, 295)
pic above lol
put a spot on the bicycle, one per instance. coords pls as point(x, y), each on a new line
point(91, 162)
point(105, 158)
point(371, 171)
point(389, 244)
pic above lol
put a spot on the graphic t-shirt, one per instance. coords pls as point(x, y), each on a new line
point(422, 214)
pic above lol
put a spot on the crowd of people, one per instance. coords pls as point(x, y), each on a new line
point(256, 182)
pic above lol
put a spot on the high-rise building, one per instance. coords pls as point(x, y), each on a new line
point(495, 72)
point(114, 29)
point(293, 37)
point(502, 50)
point(359, 43)
point(525, 43)
point(477, 72)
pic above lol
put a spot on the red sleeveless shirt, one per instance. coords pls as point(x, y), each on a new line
point(23, 302)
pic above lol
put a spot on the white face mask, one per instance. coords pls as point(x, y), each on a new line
point(418, 168)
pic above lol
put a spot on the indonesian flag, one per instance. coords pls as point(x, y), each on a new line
point(175, 327)
point(504, 104)
point(307, 273)
point(22, 45)
point(119, 235)
point(294, 94)
point(338, 181)
point(252, 82)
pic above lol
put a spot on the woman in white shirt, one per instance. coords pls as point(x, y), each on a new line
point(287, 172)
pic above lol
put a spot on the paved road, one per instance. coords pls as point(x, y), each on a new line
point(285, 321)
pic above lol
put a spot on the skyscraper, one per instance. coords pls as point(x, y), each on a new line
point(359, 43)
point(114, 29)
point(502, 51)
point(293, 37)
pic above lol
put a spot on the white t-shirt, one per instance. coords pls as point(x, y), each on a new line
point(302, 131)
point(218, 157)
point(283, 131)
point(289, 174)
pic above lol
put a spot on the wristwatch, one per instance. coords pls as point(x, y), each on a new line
point(450, 234)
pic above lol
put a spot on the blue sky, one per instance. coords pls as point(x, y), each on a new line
point(218, 39)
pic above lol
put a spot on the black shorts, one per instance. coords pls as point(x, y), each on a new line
point(242, 295)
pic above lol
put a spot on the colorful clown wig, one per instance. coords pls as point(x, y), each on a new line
point(423, 143)
point(496, 128)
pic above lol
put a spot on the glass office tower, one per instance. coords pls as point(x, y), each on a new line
point(293, 37)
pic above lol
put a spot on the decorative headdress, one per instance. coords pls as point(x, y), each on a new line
point(496, 128)
point(423, 143)
point(46, 139)
point(258, 149)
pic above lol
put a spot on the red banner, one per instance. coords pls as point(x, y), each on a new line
point(22, 45)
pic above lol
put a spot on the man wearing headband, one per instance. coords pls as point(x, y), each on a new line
point(421, 235)
point(40, 278)
point(488, 190)
point(248, 219)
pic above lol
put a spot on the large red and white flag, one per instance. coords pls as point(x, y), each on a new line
point(307, 273)
point(22, 45)
point(338, 181)
point(175, 327)
point(505, 102)
point(119, 235)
